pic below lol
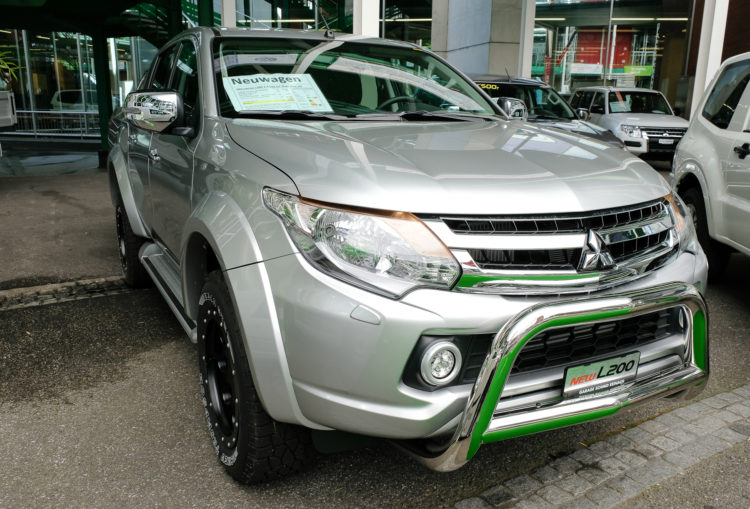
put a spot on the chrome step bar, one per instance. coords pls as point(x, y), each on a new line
point(166, 277)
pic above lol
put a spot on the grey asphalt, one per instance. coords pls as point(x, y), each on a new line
point(99, 401)
point(56, 218)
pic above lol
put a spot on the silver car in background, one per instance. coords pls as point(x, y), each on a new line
point(711, 170)
point(641, 118)
point(358, 239)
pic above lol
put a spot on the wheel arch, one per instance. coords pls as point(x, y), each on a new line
point(690, 176)
point(217, 237)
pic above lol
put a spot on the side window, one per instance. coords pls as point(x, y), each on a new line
point(725, 95)
point(598, 105)
point(185, 81)
point(576, 99)
point(163, 71)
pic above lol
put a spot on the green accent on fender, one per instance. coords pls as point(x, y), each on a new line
point(546, 426)
point(503, 370)
point(469, 280)
point(699, 340)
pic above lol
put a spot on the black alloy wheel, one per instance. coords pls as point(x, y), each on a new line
point(128, 245)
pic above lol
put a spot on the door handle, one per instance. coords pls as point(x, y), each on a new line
point(742, 151)
point(154, 155)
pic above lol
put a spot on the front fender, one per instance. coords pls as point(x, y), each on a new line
point(121, 187)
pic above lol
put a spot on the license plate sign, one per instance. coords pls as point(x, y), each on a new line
point(665, 141)
point(600, 376)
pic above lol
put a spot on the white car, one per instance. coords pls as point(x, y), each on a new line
point(641, 118)
point(711, 170)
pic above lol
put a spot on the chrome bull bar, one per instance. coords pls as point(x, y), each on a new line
point(479, 425)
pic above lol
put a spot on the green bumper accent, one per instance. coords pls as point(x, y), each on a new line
point(700, 346)
point(479, 435)
point(545, 426)
point(469, 280)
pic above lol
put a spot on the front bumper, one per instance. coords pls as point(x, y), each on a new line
point(479, 422)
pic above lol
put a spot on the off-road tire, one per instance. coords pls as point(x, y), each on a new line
point(128, 245)
point(251, 445)
point(716, 252)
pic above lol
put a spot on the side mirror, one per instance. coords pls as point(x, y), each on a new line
point(154, 111)
point(582, 113)
point(514, 108)
point(599, 110)
point(677, 111)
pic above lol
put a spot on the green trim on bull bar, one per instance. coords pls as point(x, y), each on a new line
point(478, 424)
point(478, 437)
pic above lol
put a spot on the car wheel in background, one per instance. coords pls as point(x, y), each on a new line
point(128, 245)
point(251, 445)
point(716, 252)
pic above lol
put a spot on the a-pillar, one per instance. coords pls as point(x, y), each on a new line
point(710, 48)
point(485, 36)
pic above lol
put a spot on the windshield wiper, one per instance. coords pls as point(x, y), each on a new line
point(451, 116)
point(292, 115)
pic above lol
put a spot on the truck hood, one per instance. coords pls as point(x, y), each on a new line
point(486, 167)
point(644, 120)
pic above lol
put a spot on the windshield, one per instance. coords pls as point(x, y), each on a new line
point(541, 102)
point(638, 102)
point(297, 77)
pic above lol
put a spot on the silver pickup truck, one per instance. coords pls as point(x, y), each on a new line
point(358, 239)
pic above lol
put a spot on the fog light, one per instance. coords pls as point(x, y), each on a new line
point(441, 363)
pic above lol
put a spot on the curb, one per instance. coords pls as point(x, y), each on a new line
point(17, 298)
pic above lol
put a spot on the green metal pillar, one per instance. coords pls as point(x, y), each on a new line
point(206, 13)
point(174, 17)
point(103, 92)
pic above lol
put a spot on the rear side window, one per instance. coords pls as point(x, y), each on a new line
point(725, 95)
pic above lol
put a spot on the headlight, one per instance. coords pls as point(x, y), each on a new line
point(388, 253)
point(631, 130)
point(683, 224)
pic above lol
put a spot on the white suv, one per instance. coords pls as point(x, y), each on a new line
point(641, 118)
point(711, 170)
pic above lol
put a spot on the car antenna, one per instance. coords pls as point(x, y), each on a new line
point(328, 33)
point(508, 74)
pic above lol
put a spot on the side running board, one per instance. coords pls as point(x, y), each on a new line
point(166, 277)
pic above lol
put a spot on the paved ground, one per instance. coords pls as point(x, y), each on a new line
point(99, 402)
point(56, 228)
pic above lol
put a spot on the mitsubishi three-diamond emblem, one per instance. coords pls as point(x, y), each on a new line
point(595, 255)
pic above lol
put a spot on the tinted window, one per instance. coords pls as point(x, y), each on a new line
point(598, 103)
point(541, 102)
point(163, 69)
point(726, 94)
point(185, 81)
point(576, 99)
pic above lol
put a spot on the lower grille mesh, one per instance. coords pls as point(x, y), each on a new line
point(580, 343)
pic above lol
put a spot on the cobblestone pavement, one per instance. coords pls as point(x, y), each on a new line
point(622, 466)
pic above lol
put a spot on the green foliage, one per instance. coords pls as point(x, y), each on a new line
point(8, 69)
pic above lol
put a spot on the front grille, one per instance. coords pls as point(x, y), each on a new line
point(581, 343)
point(623, 250)
point(528, 259)
point(559, 223)
point(664, 132)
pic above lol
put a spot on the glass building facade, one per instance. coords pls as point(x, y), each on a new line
point(577, 43)
point(54, 81)
point(627, 43)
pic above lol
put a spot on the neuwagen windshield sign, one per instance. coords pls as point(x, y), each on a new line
point(275, 92)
